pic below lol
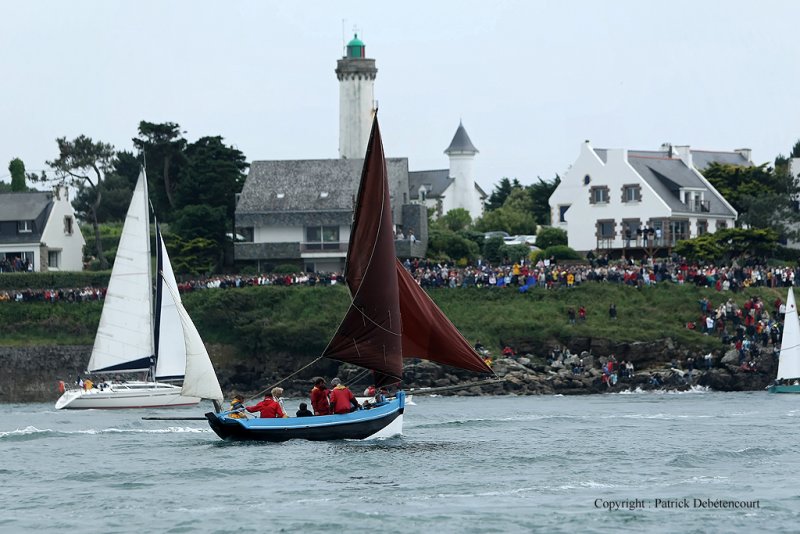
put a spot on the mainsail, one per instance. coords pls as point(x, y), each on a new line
point(370, 334)
point(789, 361)
point(124, 340)
point(390, 316)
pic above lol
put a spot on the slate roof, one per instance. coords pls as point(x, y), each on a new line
point(703, 158)
point(434, 181)
point(667, 175)
point(35, 206)
point(321, 185)
point(461, 143)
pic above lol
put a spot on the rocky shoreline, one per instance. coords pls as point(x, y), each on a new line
point(31, 374)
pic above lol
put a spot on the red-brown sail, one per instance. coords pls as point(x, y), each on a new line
point(428, 333)
point(370, 334)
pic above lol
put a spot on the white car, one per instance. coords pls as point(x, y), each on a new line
point(529, 240)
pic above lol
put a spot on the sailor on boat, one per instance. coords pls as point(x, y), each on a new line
point(342, 399)
point(319, 397)
point(270, 407)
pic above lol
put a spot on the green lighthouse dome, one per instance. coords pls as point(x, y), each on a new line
point(356, 47)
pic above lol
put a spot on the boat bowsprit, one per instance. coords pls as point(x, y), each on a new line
point(360, 424)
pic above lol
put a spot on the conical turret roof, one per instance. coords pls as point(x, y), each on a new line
point(461, 143)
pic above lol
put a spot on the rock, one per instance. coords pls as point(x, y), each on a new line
point(731, 358)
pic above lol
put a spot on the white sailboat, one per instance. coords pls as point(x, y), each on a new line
point(134, 335)
point(788, 379)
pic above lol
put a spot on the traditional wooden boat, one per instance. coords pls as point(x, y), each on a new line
point(390, 317)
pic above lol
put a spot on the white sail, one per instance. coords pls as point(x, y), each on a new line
point(200, 379)
point(789, 363)
point(124, 339)
point(171, 362)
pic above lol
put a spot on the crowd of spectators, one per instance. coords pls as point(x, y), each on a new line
point(522, 276)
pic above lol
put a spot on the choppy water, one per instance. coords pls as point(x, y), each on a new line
point(498, 464)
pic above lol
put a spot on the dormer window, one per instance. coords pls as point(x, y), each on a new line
point(24, 227)
point(280, 195)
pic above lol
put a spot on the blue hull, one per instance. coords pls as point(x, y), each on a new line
point(793, 388)
point(355, 425)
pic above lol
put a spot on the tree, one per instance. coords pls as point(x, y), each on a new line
point(82, 162)
point(205, 222)
point(500, 193)
point(212, 175)
point(548, 236)
point(730, 244)
point(762, 195)
point(514, 217)
point(448, 243)
point(163, 146)
point(456, 219)
point(540, 194)
point(17, 170)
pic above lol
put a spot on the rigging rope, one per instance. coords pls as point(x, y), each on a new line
point(282, 380)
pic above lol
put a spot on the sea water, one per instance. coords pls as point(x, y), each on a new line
point(658, 462)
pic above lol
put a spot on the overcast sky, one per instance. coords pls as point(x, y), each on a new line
point(530, 80)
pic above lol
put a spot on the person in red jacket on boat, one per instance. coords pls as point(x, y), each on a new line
point(270, 407)
point(319, 397)
point(342, 399)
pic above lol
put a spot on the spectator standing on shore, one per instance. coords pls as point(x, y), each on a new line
point(571, 315)
point(612, 311)
point(582, 314)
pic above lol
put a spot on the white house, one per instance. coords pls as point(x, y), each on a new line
point(448, 189)
point(38, 229)
point(618, 199)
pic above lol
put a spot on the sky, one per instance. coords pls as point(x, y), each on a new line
point(531, 80)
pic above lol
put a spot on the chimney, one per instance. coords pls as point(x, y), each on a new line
point(746, 153)
point(667, 147)
point(684, 152)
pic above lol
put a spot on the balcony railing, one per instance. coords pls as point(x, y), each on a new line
point(698, 206)
point(327, 246)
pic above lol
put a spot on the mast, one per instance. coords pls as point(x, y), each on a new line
point(153, 343)
point(159, 281)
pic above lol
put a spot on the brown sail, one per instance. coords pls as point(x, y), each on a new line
point(428, 333)
point(370, 334)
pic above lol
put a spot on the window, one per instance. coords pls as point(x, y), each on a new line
point(605, 229)
point(322, 237)
point(54, 259)
point(587, 179)
point(68, 225)
point(24, 227)
point(631, 193)
point(702, 227)
point(721, 225)
point(599, 195)
point(562, 211)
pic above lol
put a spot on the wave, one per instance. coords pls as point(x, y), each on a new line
point(640, 391)
point(31, 432)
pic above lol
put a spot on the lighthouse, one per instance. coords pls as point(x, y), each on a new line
point(356, 74)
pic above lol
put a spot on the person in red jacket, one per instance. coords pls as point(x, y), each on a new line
point(270, 407)
point(319, 397)
point(342, 399)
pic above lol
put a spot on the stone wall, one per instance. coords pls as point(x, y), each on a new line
point(31, 374)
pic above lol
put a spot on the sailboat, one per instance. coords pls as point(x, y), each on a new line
point(138, 332)
point(390, 318)
point(788, 379)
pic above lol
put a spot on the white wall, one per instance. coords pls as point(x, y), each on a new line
point(582, 215)
point(462, 193)
point(54, 237)
point(278, 234)
point(356, 97)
